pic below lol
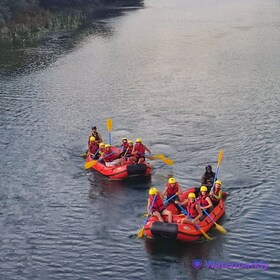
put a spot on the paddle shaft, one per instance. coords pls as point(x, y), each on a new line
point(109, 127)
point(170, 198)
point(217, 169)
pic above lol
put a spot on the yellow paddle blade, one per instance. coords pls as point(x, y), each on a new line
point(140, 232)
point(158, 156)
point(84, 154)
point(161, 157)
point(168, 161)
point(145, 215)
point(205, 234)
point(221, 229)
point(90, 164)
point(220, 157)
point(109, 123)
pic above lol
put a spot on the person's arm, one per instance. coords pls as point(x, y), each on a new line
point(179, 190)
point(203, 180)
point(181, 203)
point(100, 137)
point(133, 151)
point(148, 205)
point(148, 151)
point(164, 191)
point(210, 204)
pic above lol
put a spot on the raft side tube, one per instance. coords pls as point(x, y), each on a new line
point(139, 169)
point(166, 230)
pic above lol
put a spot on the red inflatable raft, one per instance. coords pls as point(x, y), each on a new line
point(126, 170)
point(183, 232)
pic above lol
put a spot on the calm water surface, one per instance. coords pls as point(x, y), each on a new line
point(190, 78)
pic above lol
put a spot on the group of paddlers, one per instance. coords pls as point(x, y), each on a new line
point(203, 199)
point(131, 153)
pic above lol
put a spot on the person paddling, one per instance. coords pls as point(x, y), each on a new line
point(204, 199)
point(158, 208)
point(109, 157)
point(172, 191)
point(192, 208)
point(93, 147)
point(139, 151)
point(217, 194)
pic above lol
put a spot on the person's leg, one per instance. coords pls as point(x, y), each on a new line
point(185, 221)
point(157, 214)
point(169, 215)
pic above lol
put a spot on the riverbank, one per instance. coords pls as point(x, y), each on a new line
point(33, 23)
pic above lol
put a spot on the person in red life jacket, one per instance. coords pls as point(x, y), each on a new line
point(129, 149)
point(158, 208)
point(93, 147)
point(109, 157)
point(139, 151)
point(217, 194)
point(124, 146)
point(204, 199)
point(207, 178)
point(192, 208)
point(101, 149)
point(172, 188)
point(127, 156)
point(96, 135)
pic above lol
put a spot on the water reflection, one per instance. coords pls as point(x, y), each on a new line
point(102, 186)
point(170, 251)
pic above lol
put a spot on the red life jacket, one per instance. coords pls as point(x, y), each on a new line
point(192, 209)
point(109, 156)
point(140, 149)
point(203, 201)
point(171, 190)
point(93, 147)
point(158, 203)
point(129, 150)
point(125, 145)
point(215, 192)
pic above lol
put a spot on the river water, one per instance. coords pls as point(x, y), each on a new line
point(190, 78)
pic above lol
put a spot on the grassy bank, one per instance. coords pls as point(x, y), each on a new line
point(29, 20)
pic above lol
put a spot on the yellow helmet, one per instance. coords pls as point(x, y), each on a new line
point(138, 140)
point(130, 142)
point(203, 189)
point(171, 181)
point(153, 191)
point(191, 194)
point(101, 145)
point(107, 146)
point(92, 138)
point(218, 182)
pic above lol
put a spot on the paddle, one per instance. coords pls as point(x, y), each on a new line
point(141, 231)
point(170, 198)
point(109, 123)
point(217, 169)
point(91, 163)
point(202, 231)
point(161, 157)
point(218, 227)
